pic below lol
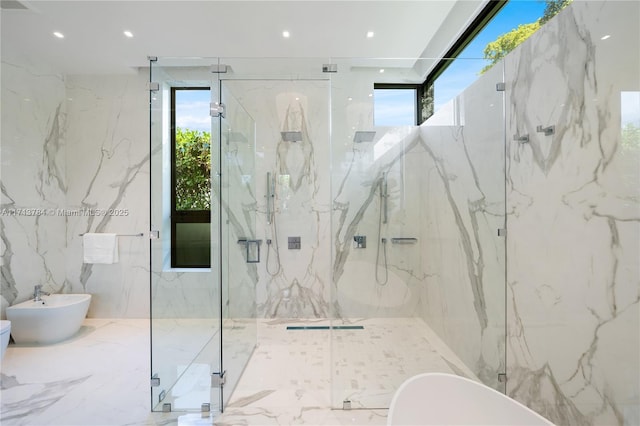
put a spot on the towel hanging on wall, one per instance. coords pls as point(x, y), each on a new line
point(100, 248)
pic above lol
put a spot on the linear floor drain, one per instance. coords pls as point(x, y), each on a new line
point(325, 327)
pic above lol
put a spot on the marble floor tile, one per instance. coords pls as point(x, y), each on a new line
point(101, 375)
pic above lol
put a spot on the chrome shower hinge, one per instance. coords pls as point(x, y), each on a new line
point(155, 381)
point(153, 86)
point(501, 87)
point(502, 377)
point(217, 110)
point(346, 404)
point(218, 379)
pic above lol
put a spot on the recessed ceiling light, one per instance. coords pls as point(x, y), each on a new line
point(370, 34)
point(286, 34)
point(370, 95)
point(58, 34)
point(128, 34)
point(605, 37)
point(349, 98)
point(381, 70)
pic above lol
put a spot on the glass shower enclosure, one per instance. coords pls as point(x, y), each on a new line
point(382, 245)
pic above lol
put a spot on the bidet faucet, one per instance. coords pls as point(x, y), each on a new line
point(37, 293)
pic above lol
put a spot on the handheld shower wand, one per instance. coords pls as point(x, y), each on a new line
point(270, 198)
point(384, 196)
point(382, 218)
point(271, 220)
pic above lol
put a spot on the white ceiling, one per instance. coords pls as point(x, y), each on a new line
point(94, 40)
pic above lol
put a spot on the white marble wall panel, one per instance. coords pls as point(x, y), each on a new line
point(574, 218)
point(70, 146)
point(462, 254)
point(33, 181)
point(108, 169)
point(292, 283)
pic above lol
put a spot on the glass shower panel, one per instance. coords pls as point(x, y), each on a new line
point(418, 266)
point(185, 302)
point(287, 196)
point(241, 250)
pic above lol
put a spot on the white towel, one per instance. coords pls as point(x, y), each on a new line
point(100, 248)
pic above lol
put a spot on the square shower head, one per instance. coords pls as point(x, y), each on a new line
point(291, 136)
point(363, 136)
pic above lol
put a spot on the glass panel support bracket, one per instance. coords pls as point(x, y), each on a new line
point(502, 232)
point(218, 379)
point(219, 68)
point(217, 110)
point(501, 87)
point(329, 67)
point(153, 86)
point(155, 381)
point(502, 377)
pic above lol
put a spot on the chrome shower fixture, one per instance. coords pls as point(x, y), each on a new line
point(363, 136)
point(271, 193)
point(384, 196)
point(290, 136)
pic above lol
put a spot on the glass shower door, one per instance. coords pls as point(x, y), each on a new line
point(185, 307)
point(240, 250)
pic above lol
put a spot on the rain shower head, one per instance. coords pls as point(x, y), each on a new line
point(363, 136)
point(291, 136)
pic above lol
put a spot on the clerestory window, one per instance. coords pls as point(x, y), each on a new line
point(499, 28)
point(396, 104)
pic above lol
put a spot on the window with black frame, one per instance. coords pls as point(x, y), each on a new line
point(396, 104)
point(190, 178)
point(498, 29)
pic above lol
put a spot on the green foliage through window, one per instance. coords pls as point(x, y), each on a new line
point(193, 170)
point(499, 48)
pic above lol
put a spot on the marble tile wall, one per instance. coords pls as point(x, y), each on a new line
point(107, 156)
point(462, 256)
point(291, 283)
point(574, 217)
point(573, 220)
point(33, 180)
point(75, 152)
